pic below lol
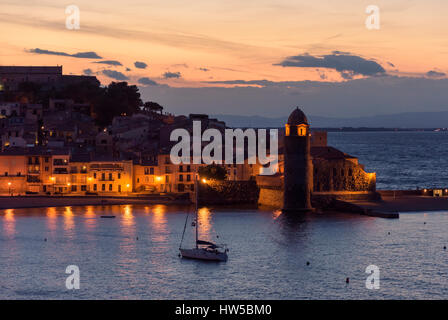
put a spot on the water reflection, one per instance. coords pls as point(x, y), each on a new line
point(127, 219)
point(159, 223)
point(51, 220)
point(91, 220)
point(68, 219)
point(205, 225)
point(9, 225)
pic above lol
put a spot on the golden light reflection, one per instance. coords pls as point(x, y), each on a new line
point(159, 223)
point(51, 218)
point(127, 219)
point(204, 219)
point(10, 222)
point(68, 218)
point(90, 216)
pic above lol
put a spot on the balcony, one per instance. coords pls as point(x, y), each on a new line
point(60, 171)
point(60, 162)
point(33, 179)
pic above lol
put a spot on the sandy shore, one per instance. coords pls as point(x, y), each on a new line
point(39, 202)
point(406, 204)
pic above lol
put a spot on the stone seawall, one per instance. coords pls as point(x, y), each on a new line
point(228, 192)
point(273, 197)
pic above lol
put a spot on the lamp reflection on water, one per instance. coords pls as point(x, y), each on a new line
point(204, 219)
point(68, 218)
point(90, 216)
point(127, 216)
point(9, 224)
point(159, 223)
point(51, 218)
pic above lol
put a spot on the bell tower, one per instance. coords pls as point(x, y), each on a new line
point(298, 176)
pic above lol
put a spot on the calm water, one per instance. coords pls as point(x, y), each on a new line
point(267, 260)
point(402, 160)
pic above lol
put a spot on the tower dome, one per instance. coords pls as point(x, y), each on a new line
point(297, 117)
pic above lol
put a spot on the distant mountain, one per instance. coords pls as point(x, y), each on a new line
point(400, 120)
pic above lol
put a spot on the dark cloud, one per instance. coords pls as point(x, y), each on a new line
point(147, 82)
point(347, 64)
point(82, 55)
point(391, 64)
point(140, 65)
point(87, 72)
point(115, 75)
point(204, 69)
point(109, 62)
point(435, 74)
point(128, 69)
point(170, 75)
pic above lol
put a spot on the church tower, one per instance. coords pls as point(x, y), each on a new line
point(298, 176)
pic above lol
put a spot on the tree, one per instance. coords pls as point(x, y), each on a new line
point(213, 172)
point(152, 106)
point(119, 99)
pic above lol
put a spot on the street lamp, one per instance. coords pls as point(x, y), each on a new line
point(9, 186)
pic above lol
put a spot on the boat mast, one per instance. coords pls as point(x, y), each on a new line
point(196, 207)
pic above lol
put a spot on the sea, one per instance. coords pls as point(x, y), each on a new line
point(271, 256)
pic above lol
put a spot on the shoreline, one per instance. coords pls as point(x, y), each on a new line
point(22, 202)
point(405, 203)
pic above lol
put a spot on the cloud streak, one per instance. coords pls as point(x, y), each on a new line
point(81, 55)
point(348, 65)
point(109, 62)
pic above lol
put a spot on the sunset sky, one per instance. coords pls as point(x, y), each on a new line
point(192, 55)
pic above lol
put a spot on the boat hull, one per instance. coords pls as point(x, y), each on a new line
point(202, 254)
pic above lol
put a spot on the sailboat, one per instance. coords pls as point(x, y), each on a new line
point(204, 250)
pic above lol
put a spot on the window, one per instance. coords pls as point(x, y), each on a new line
point(73, 188)
point(103, 176)
point(94, 175)
point(181, 168)
point(138, 180)
point(47, 159)
point(181, 177)
point(119, 175)
point(119, 188)
point(110, 176)
point(110, 187)
point(151, 170)
point(84, 188)
point(188, 177)
point(47, 168)
point(103, 187)
point(167, 179)
point(146, 170)
point(95, 187)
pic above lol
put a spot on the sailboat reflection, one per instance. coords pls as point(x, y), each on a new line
point(204, 250)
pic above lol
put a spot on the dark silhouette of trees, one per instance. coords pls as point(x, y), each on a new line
point(119, 99)
point(152, 106)
point(213, 172)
